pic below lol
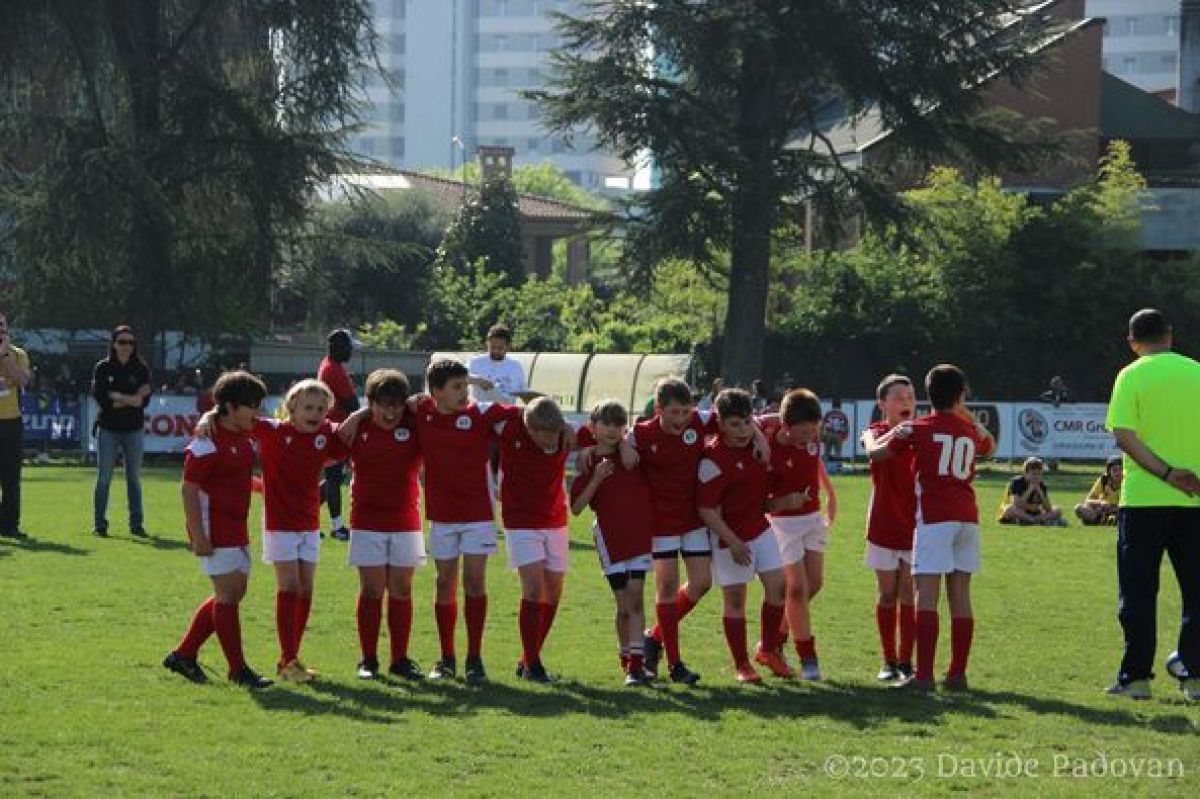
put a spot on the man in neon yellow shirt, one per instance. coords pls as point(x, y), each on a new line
point(1153, 417)
point(14, 376)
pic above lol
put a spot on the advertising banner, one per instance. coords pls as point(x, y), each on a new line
point(51, 419)
point(1068, 432)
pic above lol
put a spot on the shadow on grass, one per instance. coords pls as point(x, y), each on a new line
point(32, 544)
point(158, 542)
point(865, 707)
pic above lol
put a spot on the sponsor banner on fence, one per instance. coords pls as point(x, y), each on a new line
point(170, 421)
point(51, 419)
point(1070, 432)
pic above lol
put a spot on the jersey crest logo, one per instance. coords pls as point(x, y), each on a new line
point(813, 449)
point(654, 447)
point(319, 442)
point(363, 437)
point(402, 434)
point(287, 440)
point(690, 437)
point(463, 423)
point(233, 450)
point(741, 465)
point(789, 463)
point(517, 444)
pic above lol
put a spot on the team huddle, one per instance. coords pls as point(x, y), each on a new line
point(733, 495)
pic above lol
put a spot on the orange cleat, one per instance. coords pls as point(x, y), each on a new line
point(775, 662)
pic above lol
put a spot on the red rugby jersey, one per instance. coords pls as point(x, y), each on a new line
point(221, 466)
point(385, 493)
point(943, 447)
point(735, 483)
point(292, 462)
point(622, 507)
point(337, 379)
point(892, 506)
point(793, 469)
point(455, 446)
point(669, 463)
point(531, 487)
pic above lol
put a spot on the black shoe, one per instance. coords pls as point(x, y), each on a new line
point(249, 678)
point(537, 673)
point(889, 672)
point(444, 669)
point(15, 535)
point(520, 670)
point(638, 678)
point(406, 668)
point(368, 669)
point(475, 674)
point(340, 534)
point(653, 654)
point(682, 674)
point(185, 667)
point(100, 532)
point(138, 532)
point(905, 669)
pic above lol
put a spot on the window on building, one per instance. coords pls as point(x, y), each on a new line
point(1133, 25)
point(397, 44)
point(396, 113)
point(396, 148)
point(499, 111)
point(1171, 25)
point(1128, 65)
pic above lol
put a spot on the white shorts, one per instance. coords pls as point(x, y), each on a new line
point(369, 548)
point(538, 546)
point(885, 559)
point(280, 547)
point(764, 557)
point(946, 547)
point(694, 542)
point(448, 540)
point(799, 534)
point(226, 560)
point(639, 563)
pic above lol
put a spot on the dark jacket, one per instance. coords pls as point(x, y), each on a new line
point(111, 375)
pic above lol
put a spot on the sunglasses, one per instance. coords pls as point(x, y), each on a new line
point(125, 342)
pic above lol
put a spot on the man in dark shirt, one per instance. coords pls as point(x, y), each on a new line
point(121, 387)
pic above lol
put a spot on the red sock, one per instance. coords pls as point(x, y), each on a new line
point(668, 630)
point(735, 636)
point(772, 615)
point(546, 615)
point(369, 614)
point(625, 659)
point(683, 603)
point(908, 632)
point(636, 663)
point(285, 614)
point(229, 632)
point(885, 620)
point(447, 617)
point(302, 606)
point(400, 613)
point(962, 630)
point(198, 631)
point(806, 649)
point(476, 616)
point(528, 622)
point(927, 638)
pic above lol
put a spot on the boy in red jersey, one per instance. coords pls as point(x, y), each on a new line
point(622, 531)
point(731, 497)
point(455, 436)
point(891, 518)
point(216, 501)
point(533, 454)
point(293, 453)
point(944, 445)
point(386, 542)
point(796, 481)
point(332, 372)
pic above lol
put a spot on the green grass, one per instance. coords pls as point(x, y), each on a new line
point(86, 709)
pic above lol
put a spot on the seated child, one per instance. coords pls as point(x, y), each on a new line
point(1100, 507)
point(1028, 499)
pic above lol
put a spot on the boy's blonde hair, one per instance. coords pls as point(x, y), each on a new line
point(306, 386)
point(544, 414)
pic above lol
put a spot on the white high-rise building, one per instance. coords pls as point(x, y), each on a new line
point(1141, 42)
point(458, 66)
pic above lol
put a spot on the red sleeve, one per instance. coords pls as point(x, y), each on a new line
point(584, 437)
point(899, 444)
point(579, 484)
point(497, 412)
point(197, 468)
point(712, 426)
point(709, 491)
point(334, 376)
point(264, 427)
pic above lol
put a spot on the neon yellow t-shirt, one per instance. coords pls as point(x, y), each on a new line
point(1157, 397)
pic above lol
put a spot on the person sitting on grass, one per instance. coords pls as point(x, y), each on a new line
point(1100, 507)
point(1028, 499)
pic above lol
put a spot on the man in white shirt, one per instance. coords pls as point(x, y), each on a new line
point(505, 375)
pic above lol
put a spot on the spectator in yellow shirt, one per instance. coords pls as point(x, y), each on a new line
point(14, 376)
point(1100, 507)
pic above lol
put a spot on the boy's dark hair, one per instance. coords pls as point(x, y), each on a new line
point(800, 405)
point(1148, 326)
point(610, 412)
point(500, 332)
point(238, 388)
point(387, 384)
point(441, 372)
point(945, 384)
point(672, 389)
point(734, 403)
point(886, 384)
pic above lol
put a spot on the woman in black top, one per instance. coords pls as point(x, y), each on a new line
point(121, 386)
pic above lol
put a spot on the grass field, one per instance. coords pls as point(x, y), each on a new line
point(86, 709)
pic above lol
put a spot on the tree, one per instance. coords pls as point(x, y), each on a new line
point(487, 230)
point(719, 92)
point(158, 153)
